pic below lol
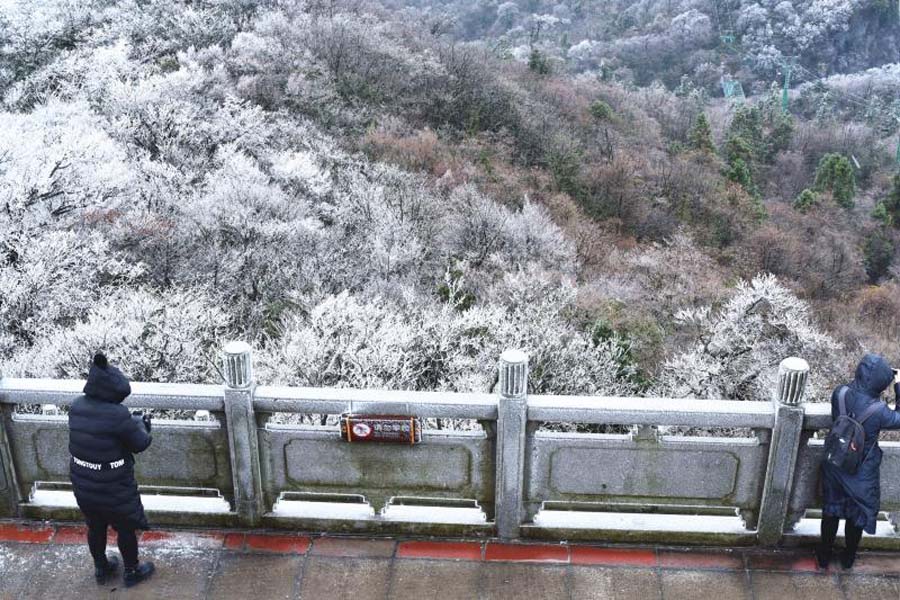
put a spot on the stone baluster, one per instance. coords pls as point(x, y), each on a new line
point(784, 446)
point(9, 487)
point(512, 417)
point(243, 441)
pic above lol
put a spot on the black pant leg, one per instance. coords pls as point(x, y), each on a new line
point(852, 536)
point(829, 531)
point(128, 546)
point(96, 537)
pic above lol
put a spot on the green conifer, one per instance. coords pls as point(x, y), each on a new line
point(700, 137)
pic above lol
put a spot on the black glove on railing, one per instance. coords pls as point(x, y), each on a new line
point(143, 418)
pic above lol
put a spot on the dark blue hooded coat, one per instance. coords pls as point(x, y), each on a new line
point(857, 498)
point(101, 430)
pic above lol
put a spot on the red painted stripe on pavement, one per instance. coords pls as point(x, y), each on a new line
point(25, 533)
point(527, 552)
point(782, 562)
point(285, 544)
point(592, 555)
point(70, 535)
point(699, 560)
point(351, 547)
point(442, 550)
point(234, 541)
point(156, 536)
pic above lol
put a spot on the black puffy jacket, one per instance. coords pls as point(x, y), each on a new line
point(102, 431)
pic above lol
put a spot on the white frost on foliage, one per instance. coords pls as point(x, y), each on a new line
point(54, 160)
point(169, 337)
point(301, 166)
point(738, 348)
point(161, 187)
point(354, 342)
point(768, 26)
point(53, 280)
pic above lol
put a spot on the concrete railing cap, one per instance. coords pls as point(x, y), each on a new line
point(514, 356)
point(795, 363)
point(236, 347)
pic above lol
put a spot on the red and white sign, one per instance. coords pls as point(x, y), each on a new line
point(397, 429)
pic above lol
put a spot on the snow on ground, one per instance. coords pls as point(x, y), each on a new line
point(10, 561)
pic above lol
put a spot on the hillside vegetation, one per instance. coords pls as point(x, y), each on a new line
point(388, 195)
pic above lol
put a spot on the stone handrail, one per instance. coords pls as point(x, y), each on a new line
point(650, 411)
point(517, 472)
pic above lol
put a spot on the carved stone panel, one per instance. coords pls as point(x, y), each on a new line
point(311, 462)
point(651, 472)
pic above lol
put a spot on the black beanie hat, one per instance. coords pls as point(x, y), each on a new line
point(100, 360)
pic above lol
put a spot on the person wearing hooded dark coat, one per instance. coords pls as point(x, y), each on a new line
point(856, 498)
point(103, 438)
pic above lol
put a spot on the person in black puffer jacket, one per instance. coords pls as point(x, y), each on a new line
point(103, 437)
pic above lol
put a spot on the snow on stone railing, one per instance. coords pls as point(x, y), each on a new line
point(526, 472)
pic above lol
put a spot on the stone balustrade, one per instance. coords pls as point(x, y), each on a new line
point(524, 480)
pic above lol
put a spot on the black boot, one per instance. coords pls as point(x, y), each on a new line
point(138, 574)
point(102, 572)
point(823, 556)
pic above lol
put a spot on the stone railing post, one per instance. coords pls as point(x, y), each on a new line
point(9, 487)
point(243, 442)
point(783, 449)
point(512, 416)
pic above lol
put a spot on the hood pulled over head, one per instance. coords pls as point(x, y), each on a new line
point(105, 382)
point(873, 375)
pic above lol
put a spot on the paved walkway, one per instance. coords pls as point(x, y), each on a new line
point(46, 561)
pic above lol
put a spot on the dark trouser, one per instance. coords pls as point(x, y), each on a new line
point(97, 524)
point(852, 535)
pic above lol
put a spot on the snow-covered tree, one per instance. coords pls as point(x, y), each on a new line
point(421, 344)
point(51, 279)
point(737, 348)
point(168, 337)
point(54, 162)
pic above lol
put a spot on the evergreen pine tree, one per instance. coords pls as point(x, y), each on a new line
point(806, 200)
point(888, 210)
point(701, 135)
point(835, 174)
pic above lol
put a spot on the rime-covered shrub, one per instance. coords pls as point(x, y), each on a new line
point(737, 348)
point(51, 279)
point(168, 337)
point(348, 341)
point(56, 161)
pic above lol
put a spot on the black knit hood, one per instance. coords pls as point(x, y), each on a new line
point(105, 382)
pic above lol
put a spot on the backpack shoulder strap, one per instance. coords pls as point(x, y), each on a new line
point(871, 410)
point(842, 400)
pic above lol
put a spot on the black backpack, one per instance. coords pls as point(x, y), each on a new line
point(844, 443)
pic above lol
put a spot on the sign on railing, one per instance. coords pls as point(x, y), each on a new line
point(396, 429)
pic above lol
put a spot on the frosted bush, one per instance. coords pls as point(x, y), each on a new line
point(54, 161)
point(51, 279)
point(168, 337)
point(737, 349)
